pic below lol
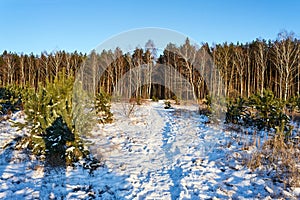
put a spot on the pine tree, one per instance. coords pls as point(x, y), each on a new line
point(50, 117)
point(102, 105)
point(10, 99)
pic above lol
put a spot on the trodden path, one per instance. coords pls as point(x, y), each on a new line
point(173, 154)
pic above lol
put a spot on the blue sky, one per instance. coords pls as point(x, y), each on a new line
point(47, 25)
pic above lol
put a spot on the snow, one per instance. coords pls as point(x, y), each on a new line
point(155, 153)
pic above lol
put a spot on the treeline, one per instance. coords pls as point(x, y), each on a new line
point(239, 69)
point(30, 70)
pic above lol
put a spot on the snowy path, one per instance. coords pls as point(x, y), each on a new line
point(153, 154)
point(173, 154)
point(156, 152)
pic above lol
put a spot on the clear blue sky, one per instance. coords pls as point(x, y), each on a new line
point(47, 25)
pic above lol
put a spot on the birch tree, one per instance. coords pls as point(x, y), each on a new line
point(188, 52)
point(261, 59)
point(285, 53)
point(240, 62)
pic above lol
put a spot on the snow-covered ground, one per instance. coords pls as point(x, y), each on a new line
point(155, 153)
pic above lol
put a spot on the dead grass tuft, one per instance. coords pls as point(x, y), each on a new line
point(281, 157)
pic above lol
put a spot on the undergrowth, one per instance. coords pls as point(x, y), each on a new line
point(280, 158)
point(279, 155)
point(60, 116)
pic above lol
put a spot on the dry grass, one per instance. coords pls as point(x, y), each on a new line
point(129, 108)
point(280, 158)
point(5, 117)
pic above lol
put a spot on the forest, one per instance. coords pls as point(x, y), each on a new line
point(245, 69)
